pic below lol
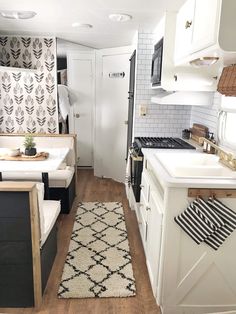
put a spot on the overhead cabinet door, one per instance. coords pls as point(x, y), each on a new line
point(205, 24)
point(184, 26)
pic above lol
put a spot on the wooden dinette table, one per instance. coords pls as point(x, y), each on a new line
point(55, 157)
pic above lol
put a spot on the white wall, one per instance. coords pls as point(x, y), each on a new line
point(64, 47)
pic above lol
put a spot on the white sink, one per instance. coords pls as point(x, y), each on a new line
point(194, 165)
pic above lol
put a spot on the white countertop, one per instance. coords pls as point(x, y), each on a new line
point(55, 158)
point(166, 180)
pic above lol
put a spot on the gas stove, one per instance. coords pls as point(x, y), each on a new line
point(160, 143)
point(136, 156)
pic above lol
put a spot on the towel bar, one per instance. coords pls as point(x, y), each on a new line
point(218, 193)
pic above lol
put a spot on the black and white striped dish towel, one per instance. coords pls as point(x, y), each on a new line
point(229, 218)
point(210, 222)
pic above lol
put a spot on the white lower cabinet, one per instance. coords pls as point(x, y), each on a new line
point(186, 278)
point(153, 239)
point(150, 226)
point(143, 219)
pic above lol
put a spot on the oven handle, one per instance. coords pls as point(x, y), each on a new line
point(134, 156)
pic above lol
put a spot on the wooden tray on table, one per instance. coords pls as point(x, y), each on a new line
point(38, 157)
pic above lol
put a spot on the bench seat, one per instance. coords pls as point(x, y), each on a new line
point(57, 179)
point(28, 242)
point(62, 182)
point(51, 210)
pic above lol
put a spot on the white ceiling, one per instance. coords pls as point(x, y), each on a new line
point(54, 18)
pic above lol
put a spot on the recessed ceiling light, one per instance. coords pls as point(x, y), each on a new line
point(117, 17)
point(17, 15)
point(81, 25)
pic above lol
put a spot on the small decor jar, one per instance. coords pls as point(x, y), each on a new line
point(29, 144)
point(186, 134)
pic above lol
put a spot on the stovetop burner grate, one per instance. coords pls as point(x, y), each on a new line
point(162, 142)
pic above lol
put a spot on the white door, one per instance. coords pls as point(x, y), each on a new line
point(81, 85)
point(112, 113)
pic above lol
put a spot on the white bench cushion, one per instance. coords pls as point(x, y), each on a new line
point(51, 210)
point(61, 178)
point(57, 179)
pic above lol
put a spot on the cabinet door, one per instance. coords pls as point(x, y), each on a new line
point(205, 24)
point(153, 239)
point(145, 185)
point(184, 29)
point(142, 220)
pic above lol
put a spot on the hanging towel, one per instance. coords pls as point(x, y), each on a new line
point(204, 209)
point(128, 172)
point(228, 216)
point(128, 179)
point(195, 223)
point(64, 101)
point(210, 222)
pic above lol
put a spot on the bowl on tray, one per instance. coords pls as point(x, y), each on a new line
point(13, 152)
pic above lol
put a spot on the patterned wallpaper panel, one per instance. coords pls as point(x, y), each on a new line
point(28, 101)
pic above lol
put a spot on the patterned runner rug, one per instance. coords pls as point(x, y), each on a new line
point(98, 263)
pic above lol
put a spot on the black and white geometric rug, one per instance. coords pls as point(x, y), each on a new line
point(98, 263)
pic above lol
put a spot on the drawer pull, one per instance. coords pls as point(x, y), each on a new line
point(141, 186)
point(148, 208)
point(140, 223)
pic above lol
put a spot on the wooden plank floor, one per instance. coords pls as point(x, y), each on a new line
point(92, 189)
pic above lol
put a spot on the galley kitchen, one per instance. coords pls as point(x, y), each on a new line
point(118, 157)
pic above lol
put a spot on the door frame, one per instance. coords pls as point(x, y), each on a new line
point(83, 55)
point(134, 55)
point(98, 88)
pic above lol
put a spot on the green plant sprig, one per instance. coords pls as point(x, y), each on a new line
point(29, 142)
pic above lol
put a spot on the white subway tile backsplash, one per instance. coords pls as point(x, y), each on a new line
point(164, 120)
point(206, 116)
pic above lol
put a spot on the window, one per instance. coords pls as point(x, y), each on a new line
point(227, 122)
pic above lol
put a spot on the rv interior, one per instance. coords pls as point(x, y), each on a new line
point(118, 157)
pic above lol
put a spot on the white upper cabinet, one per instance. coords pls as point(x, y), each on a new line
point(205, 24)
point(184, 29)
point(205, 28)
point(196, 27)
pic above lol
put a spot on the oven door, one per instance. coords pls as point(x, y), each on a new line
point(136, 168)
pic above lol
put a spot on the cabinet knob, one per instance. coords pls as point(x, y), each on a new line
point(141, 186)
point(77, 115)
point(148, 208)
point(188, 24)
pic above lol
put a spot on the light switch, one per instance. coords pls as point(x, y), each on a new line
point(142, 110)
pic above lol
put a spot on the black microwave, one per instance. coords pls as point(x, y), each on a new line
point(157, 64)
